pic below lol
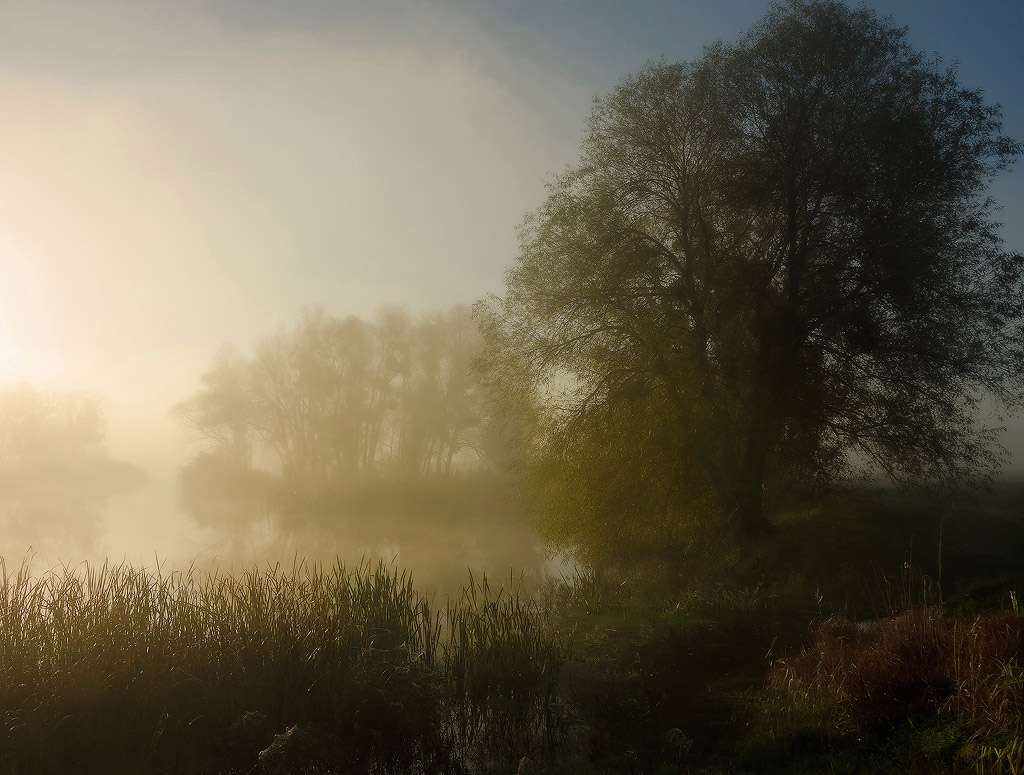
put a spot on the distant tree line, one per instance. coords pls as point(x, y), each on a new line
point(332, 404)
point(773, 269)
point(55, 470)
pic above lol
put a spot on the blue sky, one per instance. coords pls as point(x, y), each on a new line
point(180, 174)
point(597, 42)
point(601, 40)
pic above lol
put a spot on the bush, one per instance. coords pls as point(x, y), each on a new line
point(918, 664)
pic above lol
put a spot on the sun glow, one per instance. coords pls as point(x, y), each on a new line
point(8, 357)
point(10, 351)
point(26, 352)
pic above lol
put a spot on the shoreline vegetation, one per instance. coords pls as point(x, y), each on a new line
point(773, 274)
point(328, 669)
point(121, 669)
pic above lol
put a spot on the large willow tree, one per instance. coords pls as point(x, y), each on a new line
point(768, 265)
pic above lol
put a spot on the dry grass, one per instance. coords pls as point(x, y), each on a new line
point(120, 669)
point(916, 665)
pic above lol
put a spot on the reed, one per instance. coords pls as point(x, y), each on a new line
point(115, 668)
point(503, 666)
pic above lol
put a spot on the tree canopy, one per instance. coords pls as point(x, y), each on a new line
point(329, 405)
point(774, 265)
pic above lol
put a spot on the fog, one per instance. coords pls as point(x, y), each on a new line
point(316, 314)
point(180, 177)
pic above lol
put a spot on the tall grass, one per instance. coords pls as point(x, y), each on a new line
point(504, 669)
point(115, 668)
point(918, 665)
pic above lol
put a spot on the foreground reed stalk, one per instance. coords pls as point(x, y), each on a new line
point(114, 668)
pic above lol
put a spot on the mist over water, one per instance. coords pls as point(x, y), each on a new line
point(145, 526)
point(181, 178)
point(178, 177)
point(139, 517)
point(439, 386)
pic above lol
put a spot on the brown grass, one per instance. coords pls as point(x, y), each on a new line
point(119, 669)
point(920, 663)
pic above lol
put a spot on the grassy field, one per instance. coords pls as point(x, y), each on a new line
point(867, 635)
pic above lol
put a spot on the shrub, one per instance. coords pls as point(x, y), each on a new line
point(920, 663)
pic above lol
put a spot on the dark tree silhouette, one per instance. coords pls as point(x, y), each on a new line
point(768, 264)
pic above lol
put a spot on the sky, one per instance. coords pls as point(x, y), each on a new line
point(180, 174)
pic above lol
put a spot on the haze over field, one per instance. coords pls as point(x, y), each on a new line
point(176, 176)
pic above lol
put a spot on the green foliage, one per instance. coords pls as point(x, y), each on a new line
point(588, 591)
point(770, 266)
point(620, 490)
point(1002, 759)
